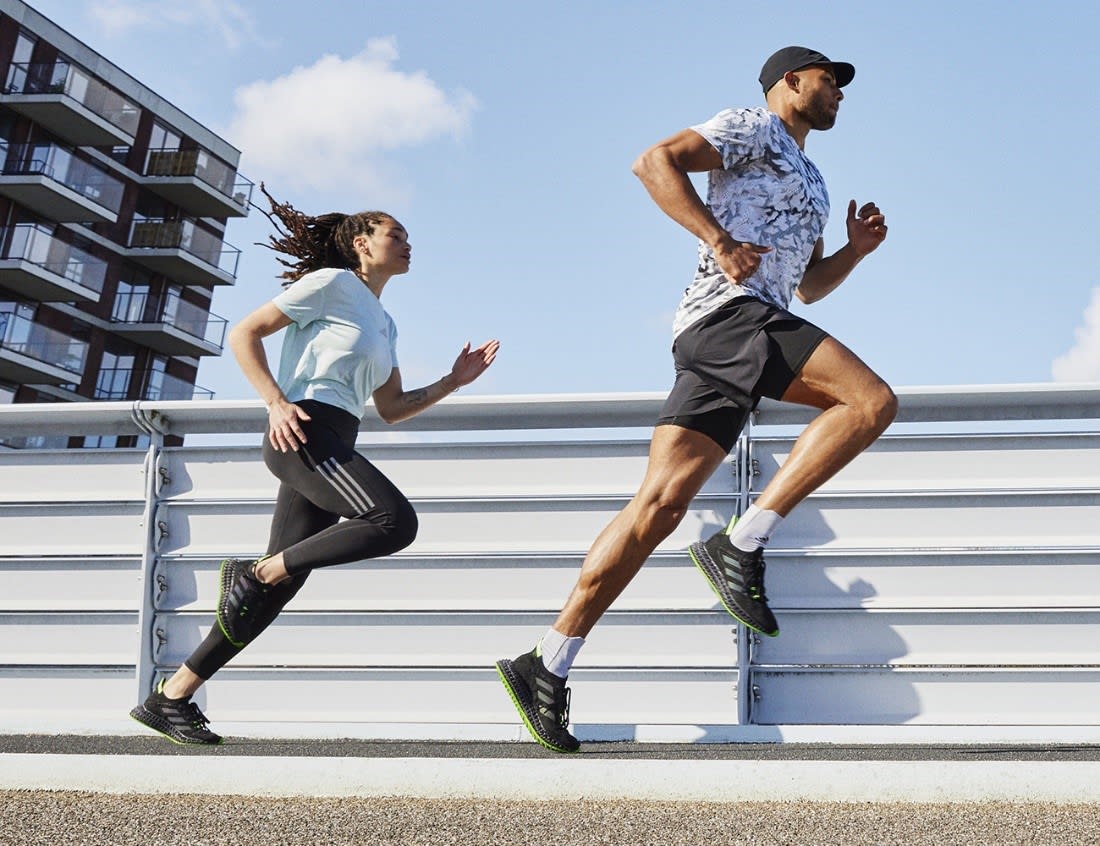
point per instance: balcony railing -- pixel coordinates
(62, 165)
(22, 335)
(143, 306)
(202, 166)
(65, 78)
(120, 383)
(163, 234)
(34, 243)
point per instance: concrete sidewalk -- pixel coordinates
(524, 771)
(145, 791)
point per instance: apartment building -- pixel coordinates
(113, 210)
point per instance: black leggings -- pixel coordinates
(322, 482)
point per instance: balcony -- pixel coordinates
(71, 103)
(167, 324)
(54, 182)
(31, 353)
(44, 268)
(196, 181)
(119, 383)
(183, 252)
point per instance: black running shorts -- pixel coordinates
(727, 360)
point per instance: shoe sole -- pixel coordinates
(705, 565)
(150, 720)
(504, 670)
(224, 589)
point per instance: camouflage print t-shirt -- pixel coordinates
(768, 193)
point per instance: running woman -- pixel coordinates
(340, 349)
(759, 234)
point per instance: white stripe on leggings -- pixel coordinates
(346, 485)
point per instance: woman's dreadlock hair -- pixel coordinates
(316, 242)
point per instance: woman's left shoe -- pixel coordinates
(241, 598)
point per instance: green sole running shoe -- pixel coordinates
(737, 577)
(542, 700)
(180, 720)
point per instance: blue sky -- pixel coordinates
(502, 133)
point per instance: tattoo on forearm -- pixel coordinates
(417, 398)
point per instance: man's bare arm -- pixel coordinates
(866, 230)
(663, 170)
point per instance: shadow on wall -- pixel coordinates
(831, 662)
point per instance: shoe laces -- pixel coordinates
(247, 593)
(194, 716)
(754, 575)
(563, 707)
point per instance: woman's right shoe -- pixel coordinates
(180, 720)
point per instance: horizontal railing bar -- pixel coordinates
(765, 670)
(541, 411)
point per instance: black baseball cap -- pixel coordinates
(794, 58)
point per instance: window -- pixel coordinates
(20, 59)
(24, 48)
(16, 322)
(171, 304)
(158, 366)
(164, 138)
(116, 369)
(130, 301)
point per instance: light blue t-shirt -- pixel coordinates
(341, 345)
(767, 192)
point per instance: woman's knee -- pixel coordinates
(401, 525)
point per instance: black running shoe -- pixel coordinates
(180, 720)
(542, 700)
(241, 598)
(738, 579)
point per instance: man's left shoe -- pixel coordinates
(737, 577)
(241, 598)
(542, 700)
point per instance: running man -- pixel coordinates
(759, 234)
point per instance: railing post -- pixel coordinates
(744, 644)
(153, 425)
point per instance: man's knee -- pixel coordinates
(660, 513)
(680, 461)
(880, 407)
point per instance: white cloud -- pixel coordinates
(330, 124)
(225, 17)
(1082, 362)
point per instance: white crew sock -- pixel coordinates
(754, 529)
(558, 652)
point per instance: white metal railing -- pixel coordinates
(946, 585)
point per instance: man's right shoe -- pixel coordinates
(241, 598)
(542, 700)
(738, 579)
(180, 720)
